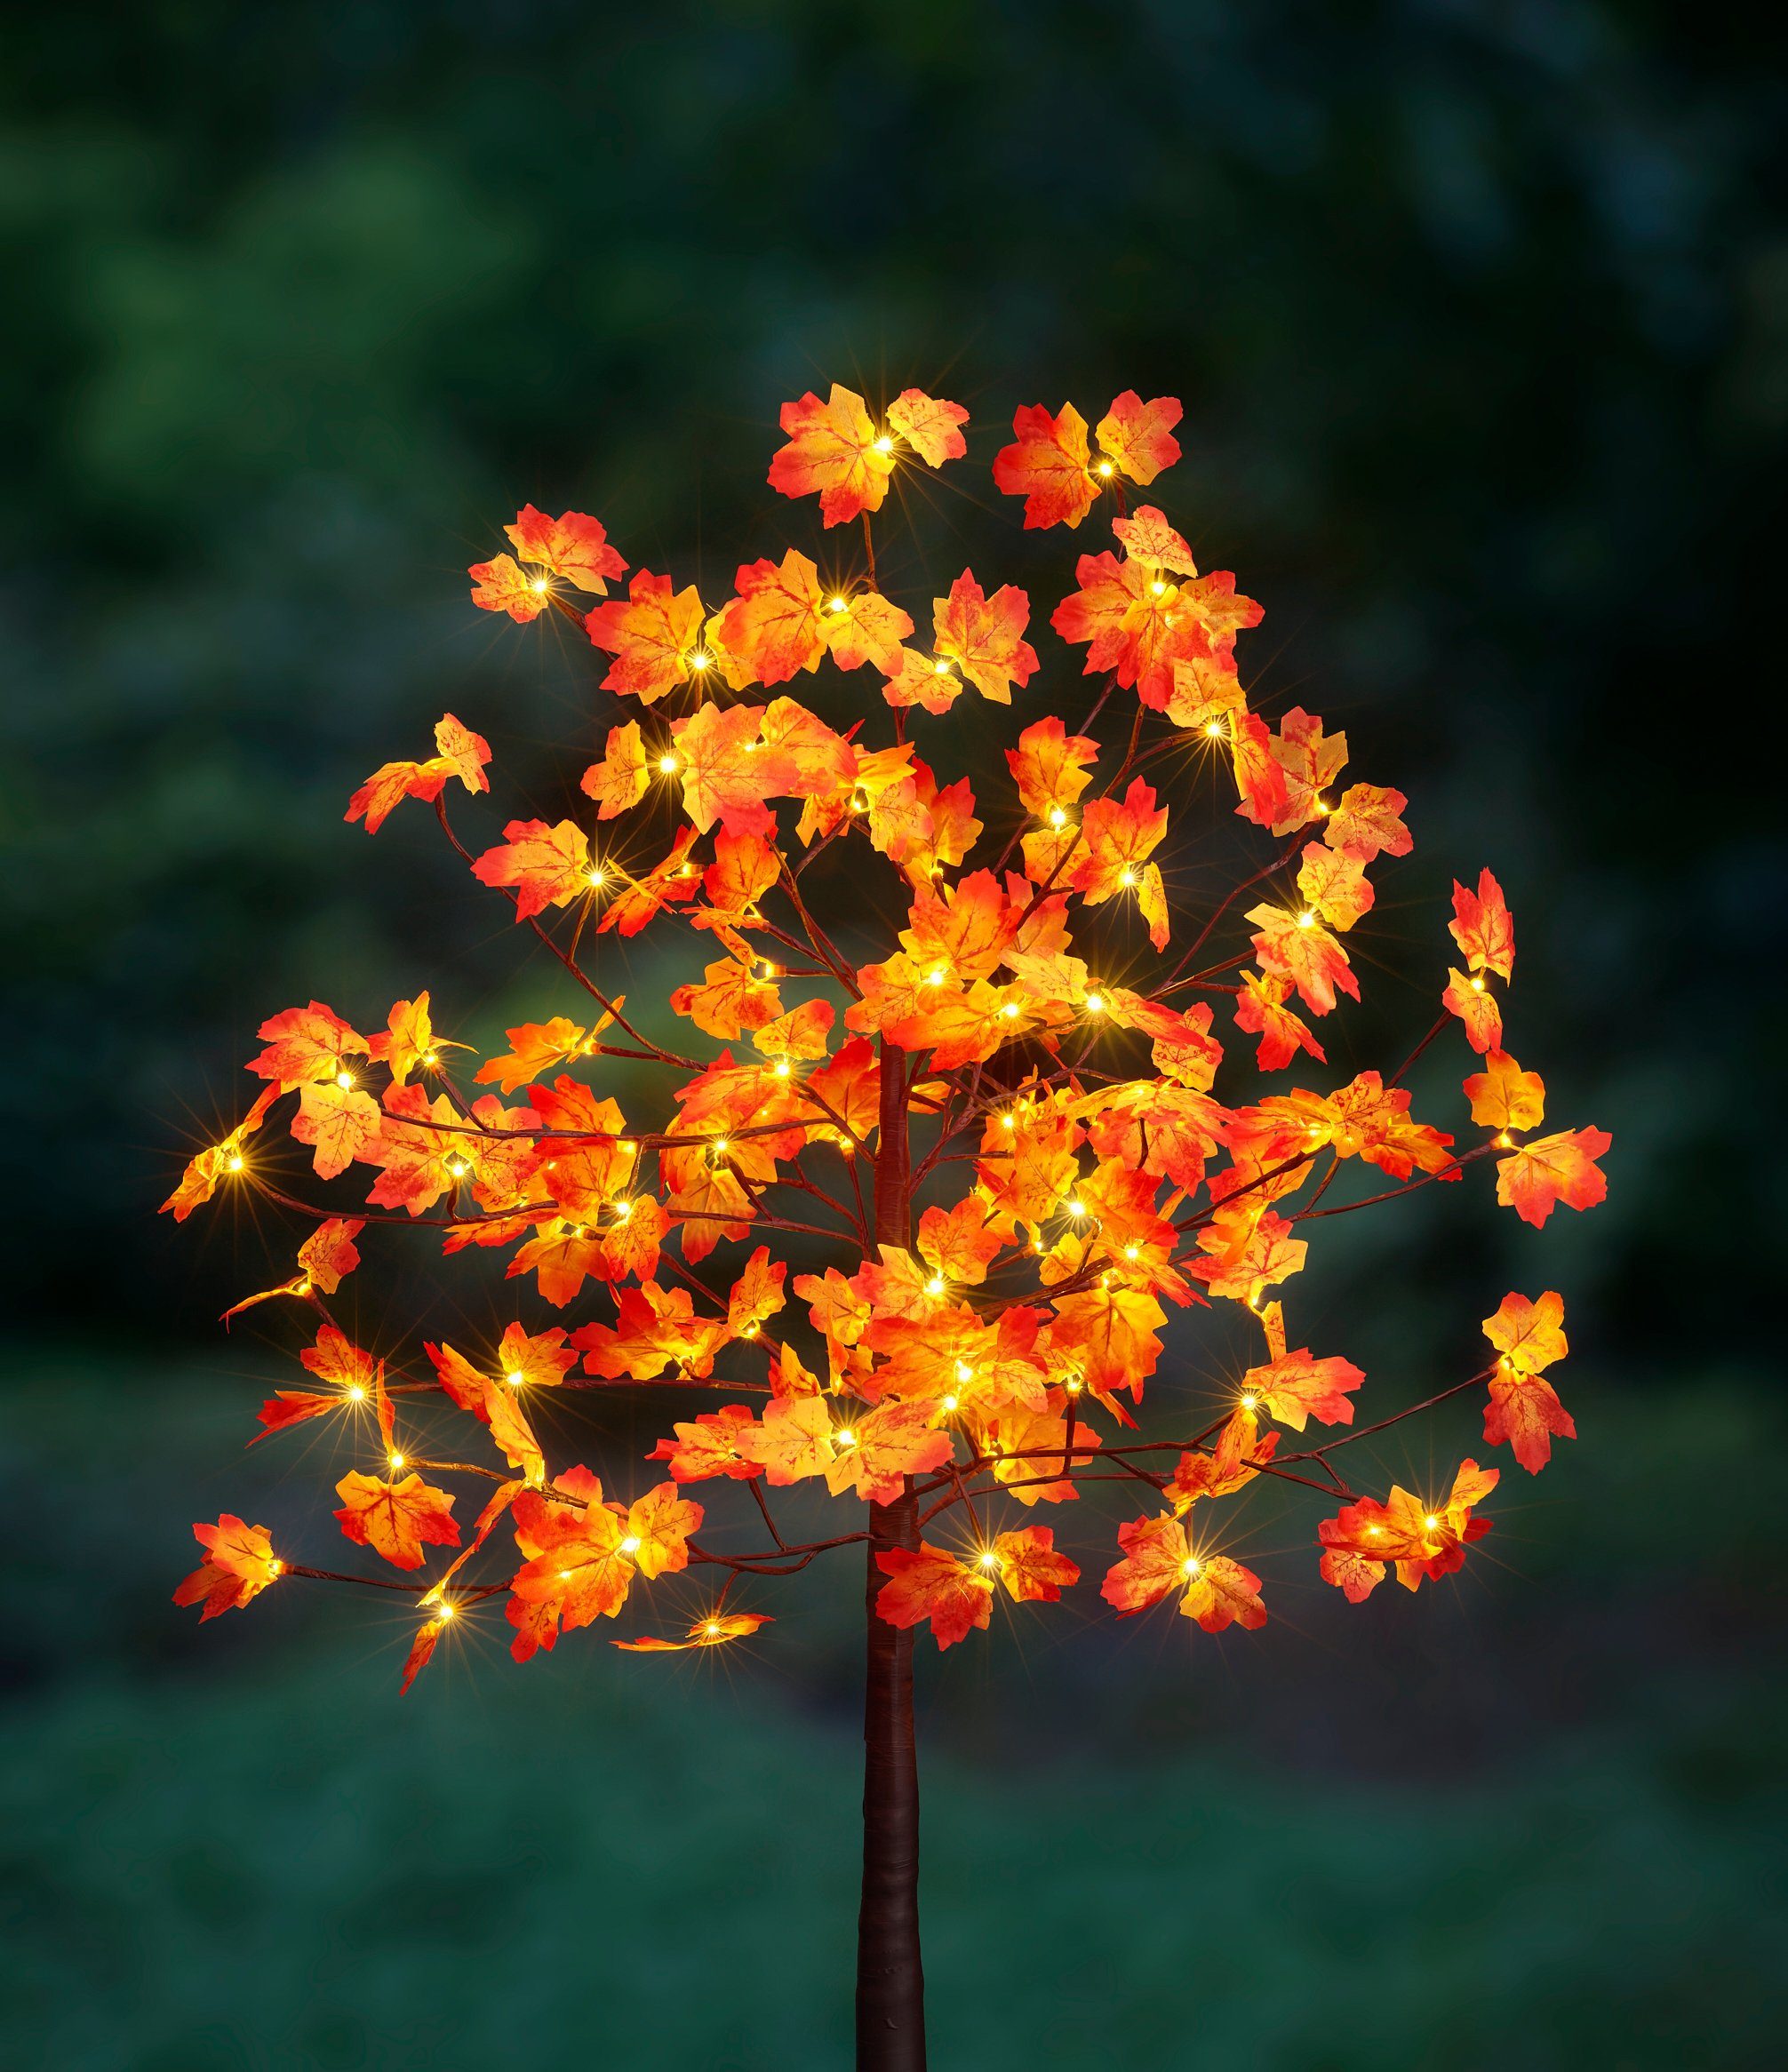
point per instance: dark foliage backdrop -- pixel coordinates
(1480, 312)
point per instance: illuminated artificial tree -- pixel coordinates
(997, 1138)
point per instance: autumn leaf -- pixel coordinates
(1145, 535)
(544, 866)
(931, 1584)
(1366, 823)
(421, 1651)
(239, 1564)
(208, 1169)
(502, 584)
(459, 753)
(1051, 767)
(1295, 1387)
(572, 546)
(1298, 946)
(1529, 1336)
(1029, 1566)
(305, 1044)
(710, 1445)
(1047, 465)
(727, 771)
(1423, 1543)
(864, 627)
(770, 630)
(882, 1448)
(655, 637)
(622, 779)
(1551, 1169)
(715, 1632)
(982, 636)
(1139, 435)
(576, 1570)
(1524, 1414)
(1476, 1006)
(1158, 1559)
(1503, 1096)
(395, 1519)
(836, 452)
(340, 1124)
(1482, 927)
(407, 1041)
(1260, 1008)
(931, 427)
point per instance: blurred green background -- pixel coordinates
(1480, 312)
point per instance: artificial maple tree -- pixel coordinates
(1006, 1143)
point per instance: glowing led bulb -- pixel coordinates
(1105, 468)
(941, 666)
(949, 1403)
(631, 1544)
(837, 604)
(1191, 1565)
(514, 1377)
(396, 1459)
(1157, 588)
(458, 1168)
(623, 1210)
(1058, 817)
(1077, 1206)
(1132, 1251)
(1074, 1384)
(445, 1610)
(538, 586)
(344, 1078)
(1095, 1003)
(783, 1068)
(884, 444)
(1477, 985)
(1214, 728)
(700, 659)
(846, 1439)
(990, 1559)
(356, 1394)
(596, 874)
(1007, 1122)
(711, 1628)
(1250, 1402)
(722, 1144)
(234, 1163)
(935, 1286)
(964, 1372)
(1127, 876)
(1307, 920)
(1009, 1012)
(1430, 1523)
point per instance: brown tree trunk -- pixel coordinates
(891, 1980)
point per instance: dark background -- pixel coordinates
(1480, 313)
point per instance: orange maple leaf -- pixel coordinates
(1482, 927)
(573, 546)
(1139, 435)
(655, 637)
(1552, 1169)
(239, 1564)
(1047, 465)
(396, 1518)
